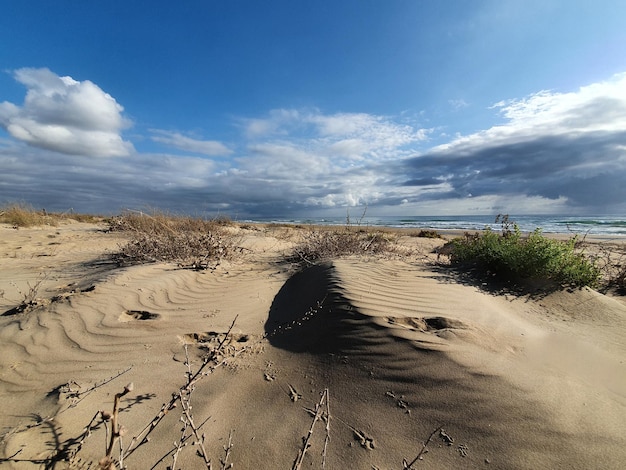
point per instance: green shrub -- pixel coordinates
(513, 257)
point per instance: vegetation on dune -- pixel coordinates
(159, 236)
(198, 243)
(426, 233)
(323, 244)
(20, 215)
(517, 258)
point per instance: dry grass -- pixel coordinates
(21, 215)
(159, 236)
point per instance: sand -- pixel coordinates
(401, 357)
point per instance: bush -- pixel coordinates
(513, 257)
(162, 237)
(324, 244)
(426, 234)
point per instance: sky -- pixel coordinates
(295, 108)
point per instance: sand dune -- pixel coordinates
(398, 350)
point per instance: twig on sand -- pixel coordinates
(227, 449)
(293, 394)
(79, 396)
(327, 438)
(409, 466)
(297, 465)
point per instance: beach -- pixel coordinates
(359, 362)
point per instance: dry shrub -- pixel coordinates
(325, 244)
(159, 236)
(424, 233)
(83, 218)
(611, 260)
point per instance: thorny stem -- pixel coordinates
(227, 448)
(200, 439)
(408, 466)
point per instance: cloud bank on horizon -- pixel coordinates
(71, 145)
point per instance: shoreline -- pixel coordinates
(445, 233)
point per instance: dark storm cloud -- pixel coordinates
(571, 166)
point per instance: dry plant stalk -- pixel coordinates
(409, 465)
(327, 438)
(117, 431)
(297, 465)
(227, 449)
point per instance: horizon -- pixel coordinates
(297, 110)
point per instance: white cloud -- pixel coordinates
(65, 115)
(350, 136)
(188, 144)
(375, 132)
(599, 107)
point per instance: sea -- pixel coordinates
(592, 225)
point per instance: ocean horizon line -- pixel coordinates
(591, 224)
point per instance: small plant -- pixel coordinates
(30, 299)
(426, 234)
(513, 257)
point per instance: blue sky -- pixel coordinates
(292, 108)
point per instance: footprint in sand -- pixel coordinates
(426, 324)
(213, 337)
(130, 315)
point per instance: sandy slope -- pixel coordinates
(402, 347)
